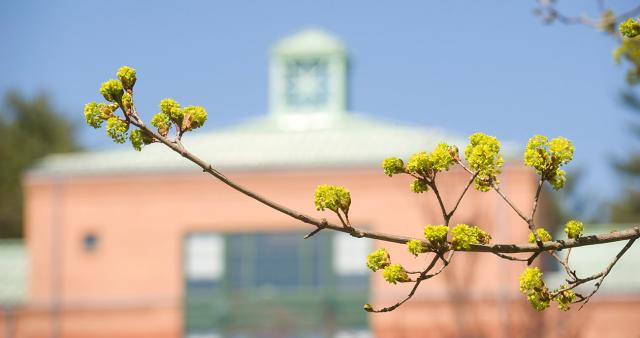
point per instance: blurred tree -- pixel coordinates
(29, 130)
(574, 201)
(627, 208)
(624, 28)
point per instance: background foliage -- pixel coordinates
(30, 128)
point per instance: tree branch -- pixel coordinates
(424, 275)
(606, 271)
(462, 194)
(318, 223)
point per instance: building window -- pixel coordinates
(205, 257)
(90, 242)
(275, 284)
(350, 254)
(307, 83)
(275, 261)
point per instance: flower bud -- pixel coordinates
(162, 122)
(395, 273)
(92, 115)
(112, 90)
(543, 234)
(392, 166)
(415, 247)
(139, 138)
(333, 198)
(378, 259)
(117, 129)
(419, 186)
(630, 28)
(193, 117)
(127, 76)
(172, 109)
(573, 229)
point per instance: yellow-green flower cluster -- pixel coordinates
(120, 95)
(162, 122)
(416, 247)
(419, 186)
(91, 115)
(539, 299)
(531, 279)
(139, 138)
(378, 259)
(171, 108)
(111, 90)
(465, 235)
(547, 157)
(392, 166)
(532, 285)
(96, 113)
(436, 235)
(127, 76)
(441, 158)
(193, 117)
(565, 298)
(573, 228)
(629, 28)
(536, 154)
(117, 129)
(543, 234)
(483, 156)
(629, 48)
(187, 118)
(333, 198)
(419, 164)
(395, 273)
(427, 164)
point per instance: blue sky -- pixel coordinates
(465, 66)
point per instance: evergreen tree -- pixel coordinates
(30, 128)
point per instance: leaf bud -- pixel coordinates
(112, 90)
(127, 76)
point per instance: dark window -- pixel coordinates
(90, 242)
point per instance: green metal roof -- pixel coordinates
(623, 279)
(13, 272)
(263, 143)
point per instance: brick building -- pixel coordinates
(127, 244)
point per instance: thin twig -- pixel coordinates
(413, 290)
(535, 200)
(445, 215)
(499, 191)
(462, 194)
(564, 264)
(607, 270)
(424, 275)
(510, 203)
(511, 258)
(318, 229)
